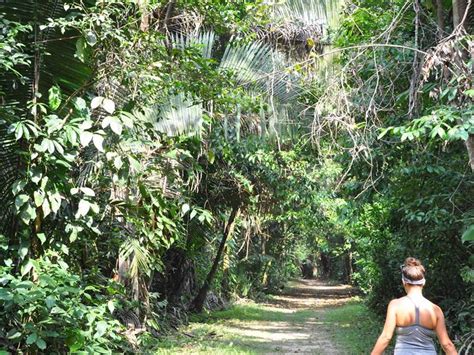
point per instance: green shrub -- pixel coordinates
(53, 311)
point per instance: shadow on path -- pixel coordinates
(290, 322)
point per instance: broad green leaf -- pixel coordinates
(73, 235)
(54, 98)
(468, 235)
(95, 208)
(438, 131)
(88, 191)
(41, 344)
(116, 126)
(38, 198)
(18, 186)
(106, 121)
(20, 200)
(96, 102)
(118, 163)
(469, 93)
(65, 249)
(28, 214)
(51, 147)
(14, 335)
(108, 105)
(59, 147)
(31, 339)
(44, 182)
(98, 142)
(184, 208)
(110, 306)
(81, 49)
(19, 132)
(8, 262)
(41, 237)
(86, 138)
(55, 202)
(91, 38)
(134, 164)
(80, 104)
(12, 128)
(101, 328)
(384, 132)
(5, 294)
(46, 207)
(50, 302)
(26, 268)
(83, 209)
(36, 176)
(127, 119)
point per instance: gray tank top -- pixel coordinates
(415, 339)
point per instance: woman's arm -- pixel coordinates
(442, 333)
(387, 332)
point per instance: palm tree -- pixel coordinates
(50, 60)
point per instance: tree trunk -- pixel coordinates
(349, 269)
(439, 18)
(459, 9)
(198, 302)
(145, 17)
(169, 12)
(470, 150)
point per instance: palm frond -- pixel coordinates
(19, 87)
(204, 40)
(8, 174)
(261, 68)
(138, 256)
(250, 63)
(180, 115)
(308, 14)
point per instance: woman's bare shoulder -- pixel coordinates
(436, 308)
(396, 301)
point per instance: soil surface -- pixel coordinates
(311, 335)
(293, 321)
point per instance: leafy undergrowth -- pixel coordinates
(354, 327)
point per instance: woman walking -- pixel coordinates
(416, 320)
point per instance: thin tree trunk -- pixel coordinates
(169, 12)
(459, 9)
(439, 18)
(198, 302)
(145, 17)
(456, 16)
(470, 150)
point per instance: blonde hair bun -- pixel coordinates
(413, 270)
(410, 261)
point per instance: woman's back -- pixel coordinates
(406, 312)
(416, 321)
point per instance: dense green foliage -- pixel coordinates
(154, 152)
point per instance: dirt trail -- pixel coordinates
(302, 334)
(293, 321)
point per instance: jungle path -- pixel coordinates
(291, 322)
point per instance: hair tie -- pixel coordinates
(413, 282)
